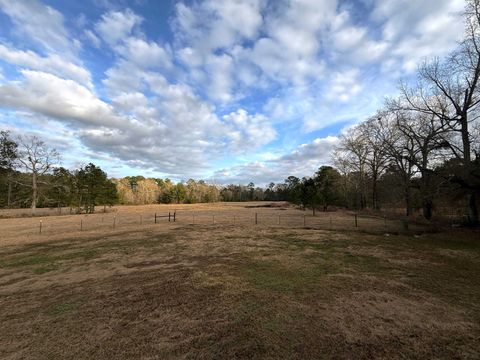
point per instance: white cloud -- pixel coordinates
(344, 85)
(416, 30)
(58, 98)
(302, 161)
(211, 24)
(144, 54)
(115, 26)
(42, 24)
(94, 40)
(248, 132)
(53, 64)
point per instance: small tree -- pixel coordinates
(327, 181)
(95, 188)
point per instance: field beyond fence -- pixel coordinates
(266, 214)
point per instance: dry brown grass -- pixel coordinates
(18, 229)
(236, 291)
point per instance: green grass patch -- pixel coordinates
(46, 257)
(62, 308)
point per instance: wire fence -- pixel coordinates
(292, 219)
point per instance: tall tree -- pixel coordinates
(37, 158)
(8, 156)
(449, 91)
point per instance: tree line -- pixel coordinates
(426, 142)
(29, 177)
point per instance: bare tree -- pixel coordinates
(426, 137)
(37, 158)
(449, 91)
(396, 147)
(376, 159)
(354, 151)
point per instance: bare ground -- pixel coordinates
(220, 290)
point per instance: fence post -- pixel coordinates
(356, 221)
(169, 216)
(155, 218)
(256, 220)
(174, 215)
(40, 230)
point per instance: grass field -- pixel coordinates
(223, 290)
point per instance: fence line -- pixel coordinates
(345, 221)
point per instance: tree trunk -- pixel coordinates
(472, 198)
(34, 191)
(374, 194)
(408, 201)
(472, 209)
(427, 208)
(9, 194)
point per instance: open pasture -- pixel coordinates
(18, 226)
(210, 289)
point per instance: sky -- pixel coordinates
(232, 91)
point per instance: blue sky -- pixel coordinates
(229, 91)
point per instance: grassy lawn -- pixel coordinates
(242, 292)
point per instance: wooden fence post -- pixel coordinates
(169, 216)
(155, 218)
(174, 215)
(256, 219)
(40, 230)
(356, 221)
